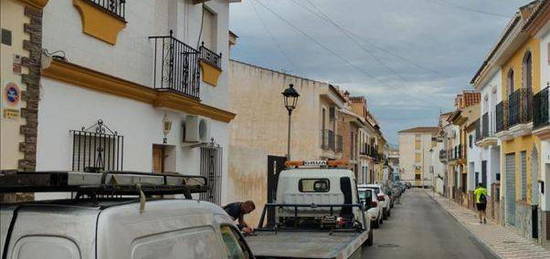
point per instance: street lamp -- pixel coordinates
(290, 96)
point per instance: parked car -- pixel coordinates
(374, 208)
(130, 227)
(382, 198)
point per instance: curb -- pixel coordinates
(472, 235)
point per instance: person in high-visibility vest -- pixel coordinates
(480, 194)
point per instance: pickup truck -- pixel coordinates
(318, 214)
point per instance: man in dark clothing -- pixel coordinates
(237, 210)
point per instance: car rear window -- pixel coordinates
(314, 185)
(365, 195)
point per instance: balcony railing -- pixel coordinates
(540, 109)
(339, 143)
(442, 155)
(478, 130)
(176, 66)
(501, 116)
(520, 106)
(210, 57)
(328, 140)
(485, 125)
(116, 8)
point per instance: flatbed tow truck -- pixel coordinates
(317, 215)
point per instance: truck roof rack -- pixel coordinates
(101, 183)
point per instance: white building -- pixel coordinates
(136, 85)
(415, 157)
(489, 145)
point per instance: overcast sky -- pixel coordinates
(408, 57)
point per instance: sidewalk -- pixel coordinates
(502, 241)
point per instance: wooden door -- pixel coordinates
(158, 159)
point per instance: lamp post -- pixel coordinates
(290, 96)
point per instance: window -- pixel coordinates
(470, 140)
(510, 82)
(234, 244)
(209, 29)
(527, 71)
(46, 247)
(314, 185)
(417, 176)
(97, 148)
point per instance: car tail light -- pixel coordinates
(381, 198)
(374, 204)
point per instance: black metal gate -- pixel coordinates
(275, 164)
(211, 168)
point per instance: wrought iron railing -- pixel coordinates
(116, 8)
(339, 143)
(442, 155)
(520, 106)
(210, 56)
(501, 116)
(485, 125)
(328, 141)
(540, 109)
(176, 66)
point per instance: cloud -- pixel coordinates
(408, 57)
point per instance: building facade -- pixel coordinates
(513, 71)
(115, 94)
(258, 138)
(415, 155)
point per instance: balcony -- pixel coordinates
(540, 109)
(478, 130)
(541, 120)
(176, 66)
(210, 56)
(485, 125)
(339, 144)
(501, 115)
(443, 155)
(487, 132)
(520, 107)
(115, 8)
(328, 140)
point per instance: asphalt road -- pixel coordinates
(420, 228)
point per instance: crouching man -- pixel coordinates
(237, 210)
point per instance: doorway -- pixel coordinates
(275, 164)
(159, 159)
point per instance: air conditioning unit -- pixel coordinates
(196, 130)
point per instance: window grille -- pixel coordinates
(97, 148)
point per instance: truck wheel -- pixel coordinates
(370, 242)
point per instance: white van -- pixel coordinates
(112, 228)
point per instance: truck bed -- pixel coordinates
(303, 244)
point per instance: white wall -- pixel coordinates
(132, 56)
(139, 123)
(64, 107)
